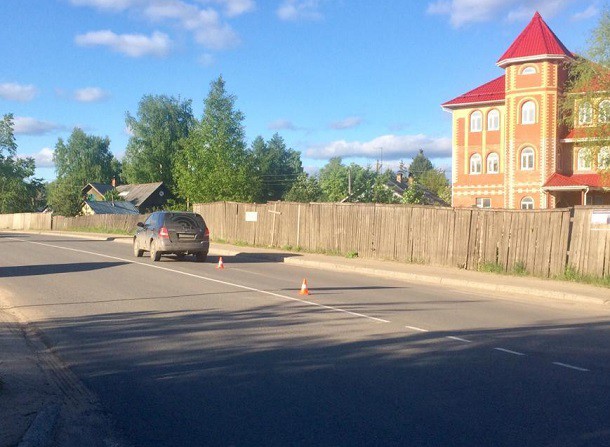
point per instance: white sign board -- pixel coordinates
(600, 220)
(251, 216)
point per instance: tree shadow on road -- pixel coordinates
(258, 376)
(52, 269)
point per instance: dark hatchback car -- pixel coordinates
(172, 232)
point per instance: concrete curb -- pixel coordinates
(41, 432)
(449, 282)
(487, 286)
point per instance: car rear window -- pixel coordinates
(178, 221)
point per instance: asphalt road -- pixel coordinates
(184, 354)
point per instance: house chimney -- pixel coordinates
(399, 178)
(410, 180)
(113, 182)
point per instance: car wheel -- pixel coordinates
(201, 256)
(154, 252)
(136, 250)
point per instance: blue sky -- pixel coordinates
(361, 79)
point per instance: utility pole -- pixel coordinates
(349, 181)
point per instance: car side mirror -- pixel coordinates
(141, 224)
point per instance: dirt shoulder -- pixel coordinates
(41, 401)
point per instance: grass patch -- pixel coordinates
(351, 254)
(102, 230)
(572, 275)
(519, 269)
(491, 267)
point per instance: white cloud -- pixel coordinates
(282, 124)
(348, 123)
(206, 59)
(205, 24)
(90, 94)
(588, 13)
(393, 147)
(31, 126)
(113, 5)
(44, 158)
(133, 45)
(299, 10)
(17, 92)
(235, 8)
(463, 12)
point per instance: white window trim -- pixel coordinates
(525, 155)
(528, 202)
(476, 121)
(474, 164)
(529, 70)
(584, 160)
(604, 111)
(481, 201)
(496, 120)
(491, 156)
(603, 156)
(585, 113)
(528, 116)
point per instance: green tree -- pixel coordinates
(334, 180)
(435, 181)
(17, 193)
(64, 197)
(420, 165)
(161, 123)
(278, 166)
(213, 162)
(305, 189)
(354, 183)
(82, 159)
(583, 105)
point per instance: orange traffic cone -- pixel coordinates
(304, 289)
(221, 264)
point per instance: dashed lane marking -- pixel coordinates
(565, 365)
(205, 278)
(508, 351)
(459, 339)
(418, 329)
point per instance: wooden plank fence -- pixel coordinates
(534, 241)
(541, 242)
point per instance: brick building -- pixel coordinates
(510, 149)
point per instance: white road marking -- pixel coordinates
(459, 339)
(205, 278)
(417, 329)
(509, 351)
(565, 365)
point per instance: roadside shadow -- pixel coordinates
(254, 258)
(51, 269)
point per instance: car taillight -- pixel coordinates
(206, 232)
(163, 233)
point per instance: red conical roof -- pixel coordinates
(536, 39)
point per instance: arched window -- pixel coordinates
(528, 112)
(493, 120)
(603, 158)
(584, 160)
(527, 203)
(493, 163)
(529, 70)
(527, 159)
(475, 164)
(604, 111)
(585, 113)
(476, 121)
